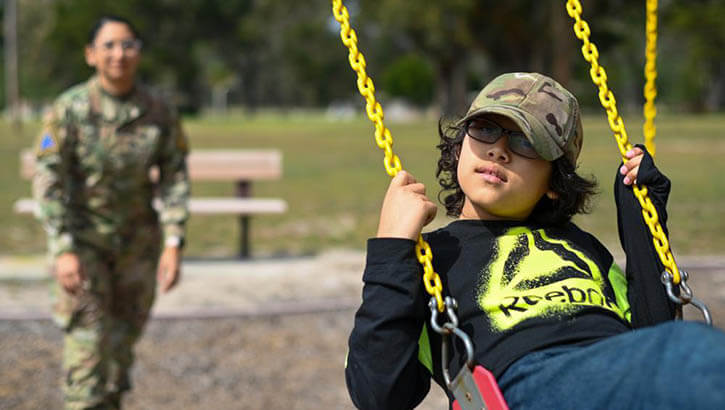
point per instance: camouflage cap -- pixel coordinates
(544, 110)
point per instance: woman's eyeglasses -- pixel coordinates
(129, 47)
(488, 132)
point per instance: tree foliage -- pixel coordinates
(410, 77)
(279, 53)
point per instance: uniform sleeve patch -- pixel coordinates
(47, 142)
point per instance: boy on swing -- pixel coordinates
(548, 311)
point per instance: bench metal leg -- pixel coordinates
(244, 236)
(244, 190)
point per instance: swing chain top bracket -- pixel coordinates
(449, 326)
(685, 295)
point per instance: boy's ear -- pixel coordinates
(551, 194)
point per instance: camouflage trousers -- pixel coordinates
(103, 323)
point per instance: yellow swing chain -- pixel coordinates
(384, 139)
(650, 74)
(606, 97)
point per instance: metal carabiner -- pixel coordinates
(686, 296)
(444, 351)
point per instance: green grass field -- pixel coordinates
(334, 181)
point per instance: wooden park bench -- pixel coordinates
(239, 166)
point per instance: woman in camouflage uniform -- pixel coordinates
(95, 195)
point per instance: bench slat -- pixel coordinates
(209, 165)
(232, 165)
(239, 166)
(24, 206)
(239, 206)
(236, 206)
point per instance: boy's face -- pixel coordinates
(498, 183)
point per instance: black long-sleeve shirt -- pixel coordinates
(519, 287)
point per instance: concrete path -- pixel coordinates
(324, 282)
(211, 288)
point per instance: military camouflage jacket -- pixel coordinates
(93, 161)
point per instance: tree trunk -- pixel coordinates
(714, 92)
(451, 87)
(12, 90)
(249, 75)
(562, 46)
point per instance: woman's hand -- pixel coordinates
(406, 209)
(69, 272)
(169, 270)
(630, 169)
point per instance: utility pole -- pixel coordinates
(12, 91)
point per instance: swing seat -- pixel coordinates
(485, 387)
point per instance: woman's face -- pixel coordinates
(115, 53)
(497, 182)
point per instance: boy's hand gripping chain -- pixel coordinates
(384, 139)
(474, 387)
(671, 277)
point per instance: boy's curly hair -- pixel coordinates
(574, 192)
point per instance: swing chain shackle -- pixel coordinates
(449, 326)
(451, 305)
(685, 295)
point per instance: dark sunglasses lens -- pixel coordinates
(521, 145)
(483, 130)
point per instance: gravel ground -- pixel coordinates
(279, 362)
(293, 362)
(233, 335)
(287, 359)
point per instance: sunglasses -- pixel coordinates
(488, 132)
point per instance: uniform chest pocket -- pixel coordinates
(138, 146)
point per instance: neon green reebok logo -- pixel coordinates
(531, 275)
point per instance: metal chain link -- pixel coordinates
(384, 139)
(606, 98)
(650, 74)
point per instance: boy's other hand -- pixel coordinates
(630, 169)
(406, 209)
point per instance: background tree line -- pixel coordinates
(262, 53)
